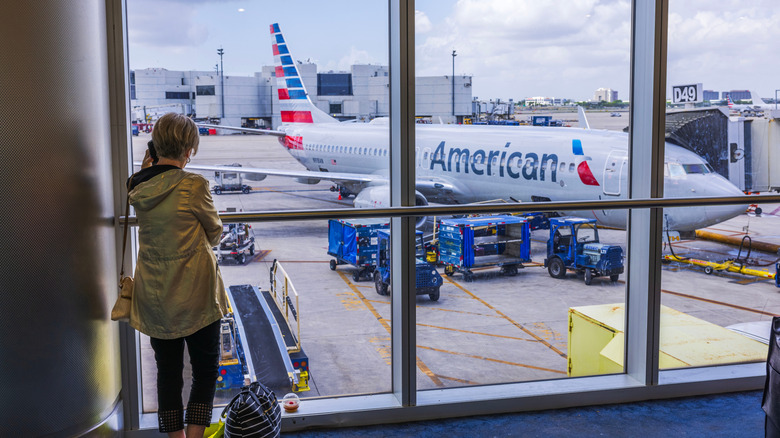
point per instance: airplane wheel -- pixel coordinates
(381, 286)
(708, 270)
(435, 295)
(333, 264)
(588, 276)
(556, 269)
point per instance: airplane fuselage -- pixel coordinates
(465, 164)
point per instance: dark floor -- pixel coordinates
(723, 415)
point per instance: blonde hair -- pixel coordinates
(173, 135)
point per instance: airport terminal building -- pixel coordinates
(361, 94)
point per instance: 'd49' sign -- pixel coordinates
(687, 93)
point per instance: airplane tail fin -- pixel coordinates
(728, 100)
(294, 102)
(582, 118)
(756, 99)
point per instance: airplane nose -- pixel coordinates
(719, 213)
(724, 187)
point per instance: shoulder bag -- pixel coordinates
(121, 310)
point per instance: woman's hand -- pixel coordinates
(147, 162)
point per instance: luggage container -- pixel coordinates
(427, 279)
(353, 242)
(484, 241)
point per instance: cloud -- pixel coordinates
(164, 24)
(729, 47)
(521, 48)
(421, 23)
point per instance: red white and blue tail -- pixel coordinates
(294, 102)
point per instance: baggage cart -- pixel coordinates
(485, 241)
(353, 242)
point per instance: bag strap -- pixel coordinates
(124, 239)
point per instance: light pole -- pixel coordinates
(453, 82)
(220, 52)
(776, 99)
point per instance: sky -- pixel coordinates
(512, 48)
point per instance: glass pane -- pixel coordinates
(499, 88)
(521, 298)
(719, 292)
(721, 135)
(228, 65)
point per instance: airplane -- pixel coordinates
(757, 104)
(462, 164)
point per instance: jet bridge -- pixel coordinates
(740, 148)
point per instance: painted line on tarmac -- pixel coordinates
(420, 364)
(455, 379)
(260, 255)
(720, 303)
(511, 321)
(440, 309)
(477, 333)
(490, 359)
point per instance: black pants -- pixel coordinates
(203, 347)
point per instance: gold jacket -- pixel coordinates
(178, 286)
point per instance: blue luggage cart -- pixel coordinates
(484, 241)
(353, 242)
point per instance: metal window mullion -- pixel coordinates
(402, 193)
(119, 107)
(646, 158)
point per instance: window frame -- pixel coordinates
(641, 379)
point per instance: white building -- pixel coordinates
(544, 101)
(360, 94)
(605, 95)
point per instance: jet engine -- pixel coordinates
(379, 197)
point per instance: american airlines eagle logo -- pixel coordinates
(583, 170)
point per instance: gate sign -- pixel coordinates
(687, 93)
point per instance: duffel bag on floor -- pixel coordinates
(253, 412)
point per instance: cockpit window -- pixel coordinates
(697, 168)
(676, 169)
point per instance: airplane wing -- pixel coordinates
(251, 130)
(300, 174)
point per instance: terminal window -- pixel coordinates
(334, 84)
(205, 90)
(177, 95)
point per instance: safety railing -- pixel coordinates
(438, 210)
(281, 289)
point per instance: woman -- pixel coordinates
(179, 297)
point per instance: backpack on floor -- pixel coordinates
(253, 412)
